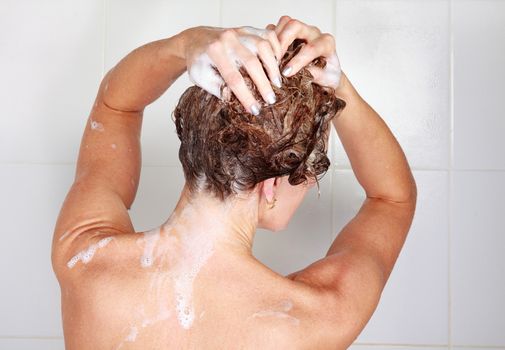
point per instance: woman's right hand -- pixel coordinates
(228, 48)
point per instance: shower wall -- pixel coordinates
(434, 70)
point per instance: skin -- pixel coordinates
(112, 302)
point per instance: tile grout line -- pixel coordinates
(104, 34)
(333, 174)
(332, 191)
(449, 179)
(14, 337)
(336, 167)
(401, 345)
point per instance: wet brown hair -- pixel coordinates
(225, 149)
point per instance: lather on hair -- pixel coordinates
(225, 149)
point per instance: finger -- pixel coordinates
(267, 56)
(267, 34)
(295, 29)
(276, 45)
(247, 55)
(281, 24)
(322, 46)
(270, 26)
(232, 77)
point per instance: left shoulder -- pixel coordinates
(92, 253)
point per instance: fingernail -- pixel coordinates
(271, 98)
(255, 109)
(286, 71)
(277, 82)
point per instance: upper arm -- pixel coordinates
(358, 264)
(105, 183)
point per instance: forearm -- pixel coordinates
(144, 74)
(376, 157)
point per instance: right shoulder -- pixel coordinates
(329, 323)
(341, 309)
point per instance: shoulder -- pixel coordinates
(313, 317)
(91, 253)
(332, 322)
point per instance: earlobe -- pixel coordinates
(268, 189)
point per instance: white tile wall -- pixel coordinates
(50, 66)
(479, 73)
(259, 13)
(394, 347)
(157, 196)
(477, 259)
(477, 348)
(396, 53)
(30, 344)
(30, 296)
(447, 288)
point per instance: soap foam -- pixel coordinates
(133, 334)
(330, 75)
(284, 306)
(150, 238)
(162, 315)
(87, 254)
(195, 249)
(256, 31)
(184, 277)
(278, 314)
(249, 44)
(202, 74)
(96, 125)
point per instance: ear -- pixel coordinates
(269, 189)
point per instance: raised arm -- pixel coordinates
(352, 275)
(109, 162)
(360, 260)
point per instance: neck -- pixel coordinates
(228, 226)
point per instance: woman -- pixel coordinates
(253, 142)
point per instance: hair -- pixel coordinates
(225, 149)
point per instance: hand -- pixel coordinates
(227, 49)
(318, 44)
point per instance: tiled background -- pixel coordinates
(435, 72)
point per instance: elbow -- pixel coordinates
(411, 192)
(408, 192)
(404, 192)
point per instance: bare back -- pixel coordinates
(114, 303)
